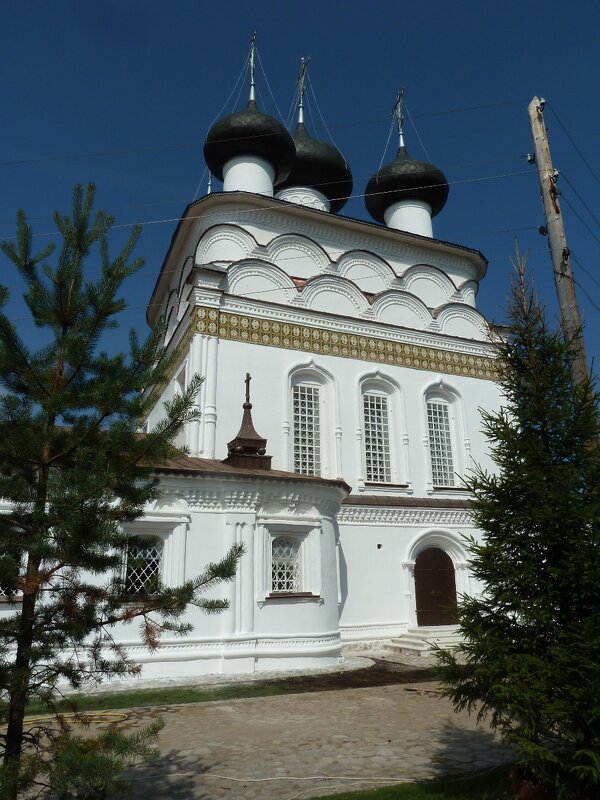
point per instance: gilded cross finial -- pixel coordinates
(398, 115)
(251, 64)
(300, 85)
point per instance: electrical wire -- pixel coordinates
(579, 217)
(314, 94)
(171, 220)
(185, 145)
(412, 122)
(581, 200)
(387, 144)
(144, 274)
(570, 138)
(268, 84)
(586, 293)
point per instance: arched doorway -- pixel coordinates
(435, 588)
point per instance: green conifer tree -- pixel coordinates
(531, 648)
(72, 469)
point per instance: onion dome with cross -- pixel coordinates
(248, 150)
(321, 177)
(406, 193)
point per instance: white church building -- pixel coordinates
(369, 362)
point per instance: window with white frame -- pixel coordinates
(142, 567)
(440, 442)
(378, 468)
(286, 571)
(306, 428)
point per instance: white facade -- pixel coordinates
(204, 510)
(370, 363)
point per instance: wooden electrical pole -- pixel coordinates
(557, 241)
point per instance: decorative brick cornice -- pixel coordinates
(404, 517)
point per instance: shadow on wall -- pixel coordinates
(343, 578)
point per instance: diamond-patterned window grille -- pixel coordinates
(142, 571)
(307, 430)
(285, 565)
(4, 591)
(377, 439)
(440, 444)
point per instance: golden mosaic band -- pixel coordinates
(289, 336)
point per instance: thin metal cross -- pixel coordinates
(247, 382)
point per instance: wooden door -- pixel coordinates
(435, 588)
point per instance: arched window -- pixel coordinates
(313, 421)
(378, 467)
(306, 402)
(442, 412)
(285, 565)
(383, 459)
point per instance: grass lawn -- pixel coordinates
(486, 786)
(172, 695)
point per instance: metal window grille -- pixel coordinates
(142, 570)
(440, 444)
(307, 430)
(285, 565)
(4, 590)
(377, 439)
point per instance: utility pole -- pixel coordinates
(557, 241)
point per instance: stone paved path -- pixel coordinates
(270, 748)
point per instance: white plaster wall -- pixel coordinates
(376, 577)
(270, 369)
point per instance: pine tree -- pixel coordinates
(531, 647)
(72, 469)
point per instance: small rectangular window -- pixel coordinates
(377, 439)
(307, 430)
(143, 566)
(285, 565)
(440, 444)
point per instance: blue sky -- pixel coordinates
(122, 93)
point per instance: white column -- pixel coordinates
(210, 396)
(248, 174)
(247, 578)
(287, 446)
(409, 592)
(229, 616)
(196, 368)
(413, 216)
(360, 483)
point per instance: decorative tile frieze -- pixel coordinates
(308, 338)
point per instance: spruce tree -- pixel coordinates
(530, 661)
(73, 469)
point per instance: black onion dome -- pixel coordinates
(319, 166)
(406, 179)
(249, 132)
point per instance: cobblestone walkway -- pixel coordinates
(279, 748)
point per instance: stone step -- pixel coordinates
(420, 641)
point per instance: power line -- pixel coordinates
(582, 201)
(479, 179)
(186, 200)
(570, 138)
(579, 217)
(590, 299)
(587, 272)
(185, 145)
